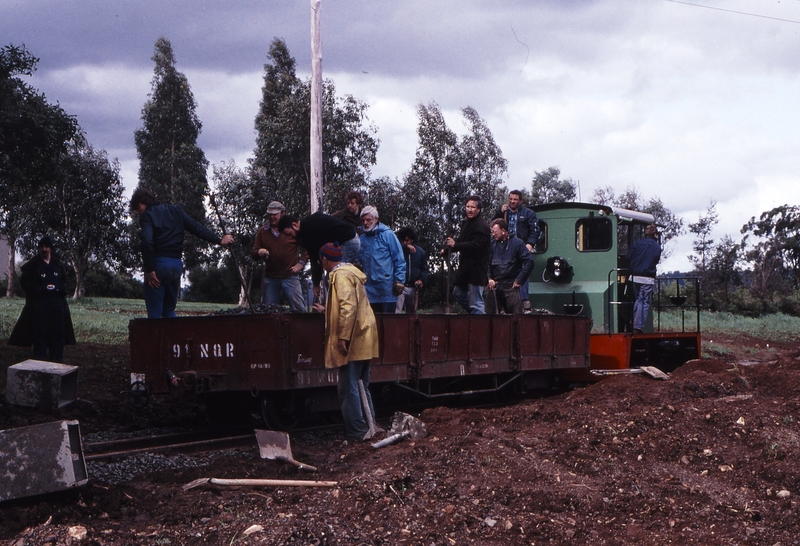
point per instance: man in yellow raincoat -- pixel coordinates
(351, 336)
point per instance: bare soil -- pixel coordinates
(709, 456)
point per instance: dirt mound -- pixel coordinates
(707, 456)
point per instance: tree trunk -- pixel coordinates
(80, 283)
(12, 269)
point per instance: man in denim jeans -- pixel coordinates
(475, 252)
(643, 255)
(283, 262)
(162, 234)
(351, 336)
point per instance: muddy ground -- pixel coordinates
(709, 456)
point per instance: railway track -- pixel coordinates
(168, 444)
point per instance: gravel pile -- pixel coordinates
(255, 309)
(147, 463)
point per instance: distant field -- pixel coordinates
(99, 320)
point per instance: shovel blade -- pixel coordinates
(274, 445)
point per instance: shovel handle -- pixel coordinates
(301, 466)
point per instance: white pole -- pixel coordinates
(316, 108)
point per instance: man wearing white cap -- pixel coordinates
(283, 261)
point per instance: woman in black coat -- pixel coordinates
(45, 321)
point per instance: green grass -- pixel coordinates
(777, 327)
(99, 320)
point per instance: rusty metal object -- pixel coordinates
(282, 353)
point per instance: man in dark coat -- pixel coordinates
(351, 213)
(45, 321)
(643, 256)
(524, 224)
(163, 228)
(313, 231)
(416, 270)
(511, 265)
(473, 264)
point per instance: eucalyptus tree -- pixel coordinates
(281, 157)
(482, 161)
(33, 138)
(85, 210)
(703, 245)
(723, 270)
(171, 164)
(239, 209)
(631, 199)
(777, 232)
(547, 187)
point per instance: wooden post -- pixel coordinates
(316, 108)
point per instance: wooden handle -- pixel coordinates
(271, 483)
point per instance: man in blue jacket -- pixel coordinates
(643, 255)
(163, 228)
(416, 270)
(509, 269)
(524, 224)
(381, 257)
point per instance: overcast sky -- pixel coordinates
(687, 101)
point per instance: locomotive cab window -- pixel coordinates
(594, 234)
(541, 243)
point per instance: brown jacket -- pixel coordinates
(283, 252)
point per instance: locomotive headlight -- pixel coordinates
(557, 269)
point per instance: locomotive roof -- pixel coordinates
(625, 216)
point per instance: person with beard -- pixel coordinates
(381, 258)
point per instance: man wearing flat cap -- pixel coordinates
(45, 321)
(283, 261)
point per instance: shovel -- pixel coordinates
(373, 428)
(274, 445)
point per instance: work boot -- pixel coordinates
(526, 307)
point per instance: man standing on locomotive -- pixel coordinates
(510, 267)
(351, 336)
(643, 255)
(282, 262)
(523, 224)
(473, 267)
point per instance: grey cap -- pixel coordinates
(275, 208)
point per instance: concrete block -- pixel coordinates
(41, 459)
(39, 384)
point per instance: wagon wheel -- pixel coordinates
(224, 411)
(277, 413)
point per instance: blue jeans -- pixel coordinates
(271, 292)
(161, 301)
(471, 299)
(641, 306)
(355, 426)
(350, 250)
